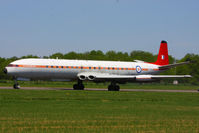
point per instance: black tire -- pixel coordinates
(16, 86)
(117, 88)
(78, 87)
(81, 87)
(75, 87)
(110, 88)
(113, 88)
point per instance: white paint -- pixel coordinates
(162, 57)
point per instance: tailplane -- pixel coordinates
(163, 58)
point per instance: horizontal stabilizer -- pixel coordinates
(173, 65)
(139, 61)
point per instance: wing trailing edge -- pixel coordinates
(169, 76)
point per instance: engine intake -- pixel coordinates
(82, 77)
(91, 77)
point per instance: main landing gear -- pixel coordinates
(113, 87)
(16, 85)
(79, 85)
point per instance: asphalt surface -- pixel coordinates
(95, 89)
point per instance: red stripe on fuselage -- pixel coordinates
(77, 67)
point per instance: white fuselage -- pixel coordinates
(69, 69)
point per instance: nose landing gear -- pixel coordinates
(16, 84)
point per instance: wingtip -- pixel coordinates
(187, 76)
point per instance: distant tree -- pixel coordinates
(111, 55)
(142, 55)
(123, 56)
(71, 55)
(191, 69)
(57, 55)
(2, 65)
(96, 55)
(29, 56)
(45, 57)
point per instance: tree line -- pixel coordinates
(191, 68)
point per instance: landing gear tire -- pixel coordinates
(16, 86)
(113, 88)
(117, 88)
(78, 87)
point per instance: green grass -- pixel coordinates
(100, 85)
(97, 111)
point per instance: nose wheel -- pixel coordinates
(16, 84)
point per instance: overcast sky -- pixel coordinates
(44, 27)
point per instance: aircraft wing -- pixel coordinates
(169, 76)
(113, 76)
(109, 77)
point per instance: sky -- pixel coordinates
(45, 27)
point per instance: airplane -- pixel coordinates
(115, 72)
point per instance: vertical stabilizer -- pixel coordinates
(163, 58)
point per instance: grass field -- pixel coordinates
(100, 85)
(98, 111)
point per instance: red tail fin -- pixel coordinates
(163, 58)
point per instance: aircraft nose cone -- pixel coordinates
(5, 71)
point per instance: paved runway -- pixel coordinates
(95, 89)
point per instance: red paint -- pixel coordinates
(163, 58)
